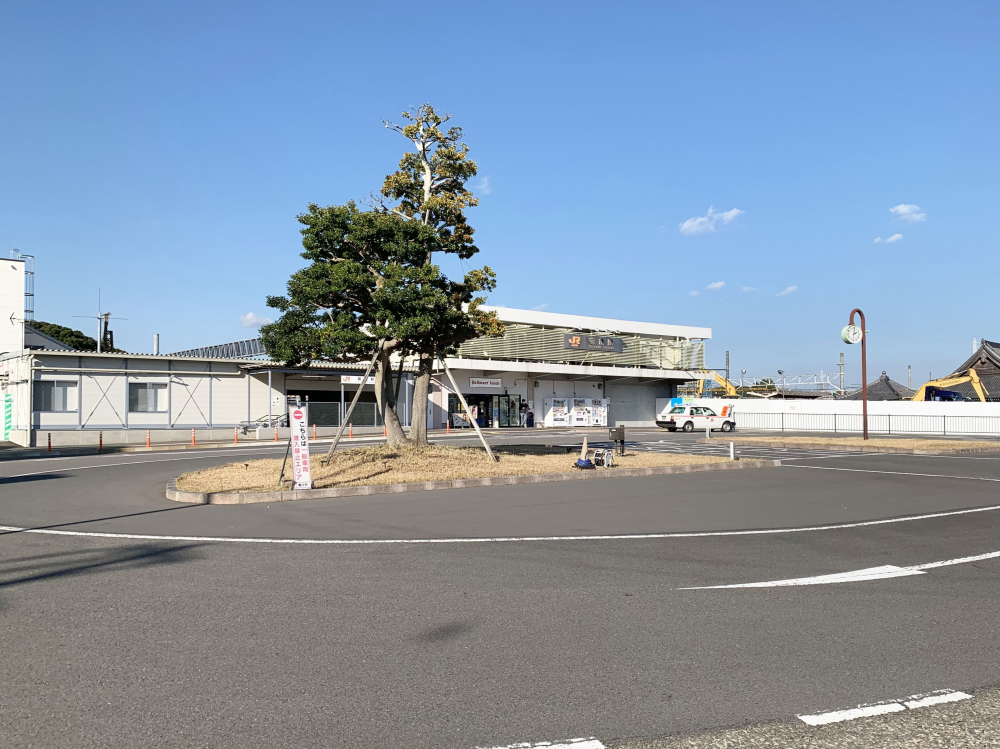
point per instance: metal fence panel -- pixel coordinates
(930, 424)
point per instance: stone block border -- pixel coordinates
(243, 498)
(836, 445)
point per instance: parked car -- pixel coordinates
(691, 418)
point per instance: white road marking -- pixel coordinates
(871, 573)
(838, 716)
(519, 539)
(590, 743)
(894, 473)
(854, 576)
(882, 708)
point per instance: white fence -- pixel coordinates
(943, 424)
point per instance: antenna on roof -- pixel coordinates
(105, 337)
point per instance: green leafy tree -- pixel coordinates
(368, 289)
(429, 188)
(72, 338)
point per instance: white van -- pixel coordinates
(690, 418)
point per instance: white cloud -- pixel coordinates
(253, 320)
(749, 288)
(540, 308)
(706, 224)
(694, 293)
(484, 186)
(716, 285)
(787, 290)
(906, 212)
(877, 240)
(894, 238)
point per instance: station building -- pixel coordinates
(567, 370)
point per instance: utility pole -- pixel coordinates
(909, 376)
(841, 372)
(727, 366)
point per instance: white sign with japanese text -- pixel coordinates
(298, 420)
(356, 379)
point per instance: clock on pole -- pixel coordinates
(851, 334)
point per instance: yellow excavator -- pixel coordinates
(971, 376)
(709, 374)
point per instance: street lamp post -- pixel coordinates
(852, 334)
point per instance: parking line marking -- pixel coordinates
(895, 473)
(590, 743)
(913, 702)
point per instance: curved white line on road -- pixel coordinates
(892, 473)
(510, 539)
(855, 576)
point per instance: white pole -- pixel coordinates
(708, 432)
(732, 451)
(156, 344)
(475, 422)
(357, 395)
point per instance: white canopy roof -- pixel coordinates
(597, 324)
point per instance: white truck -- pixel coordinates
(691, 417)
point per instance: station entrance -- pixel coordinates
(489, 411)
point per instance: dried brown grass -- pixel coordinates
(906, 444)
(401, 465)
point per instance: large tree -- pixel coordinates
(429, 188)
(368, 289)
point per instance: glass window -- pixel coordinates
(708, 412)
(54, 396)
(144, 397)
(677, 410)
(696, 411)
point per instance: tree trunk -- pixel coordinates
(387, 402)
(421, 390)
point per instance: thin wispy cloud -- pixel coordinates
(787, 290)
(253, 320)
(749, 288)
(707, 223)
(908, 212)
(694, 293)
(540, 308)
(894, 238)
(878, 240)
(715, 285)
(484, 186)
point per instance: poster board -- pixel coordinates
(298, 421)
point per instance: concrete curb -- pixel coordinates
(835, 445)
(242, 498)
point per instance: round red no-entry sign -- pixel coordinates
(297, 414)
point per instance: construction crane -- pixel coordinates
(711, 374)
(946, 382)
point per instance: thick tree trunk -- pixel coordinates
(384, 394)
(421, 390)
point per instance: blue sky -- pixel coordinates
(162, 151)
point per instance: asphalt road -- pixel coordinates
(427, 631)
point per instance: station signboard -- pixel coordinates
(298, 420)
(583, 342)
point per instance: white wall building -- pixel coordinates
(567, 370)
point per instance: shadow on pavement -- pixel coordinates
(71, 564)
(98, 520)
(34, 477)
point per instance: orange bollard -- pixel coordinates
(350, 429)
(314, 431)
(276, 434)
(447, 428)
(192, 436)
(236, 435)
(384, 433)
(148, 443)
(50, 442)
(100, 441)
